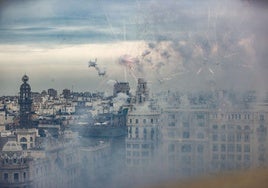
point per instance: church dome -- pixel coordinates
(25, 78)
(12, 146)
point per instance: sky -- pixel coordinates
(174, 45)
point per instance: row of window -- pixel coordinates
(233, 116)
(185, 134)
(230, 127)
(230, 157)
(145, 134)
(185, 148)
(144, 121)
(138, 146)
(137, 161)
(138, 154)
(6, 177)
(230, 148)
(231, 137)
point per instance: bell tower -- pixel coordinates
(25, 102)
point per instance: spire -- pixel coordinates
(25, 102)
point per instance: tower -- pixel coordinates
(142, 92)
(25, 102)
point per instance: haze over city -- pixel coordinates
(133, 93)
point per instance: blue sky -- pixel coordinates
(194, 42)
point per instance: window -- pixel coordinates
(130, 120)
(247, 148)
(231, 137)
(144, 121)
(223, 148)
(152, 120)
(215, 127)
(247, 138)
(137, 121)
(215, 147)
(171, 148)
(128, 145)
(145, 153)
(24, 175)
(136, 146)
(137, 132)
(231, 157)
(238, 148)
(200, 135)
(185, 124)
(215, 137)
(145, 146)
(215, 157)
(201, 124)
(247, 128)
(172, 116)
(6, 176)
(23, 139)
(171, 134)
(238, 137)
(200, 116)
(145, 133)
(200, 148)
(16, 177)
(230, 148)
(246, 157)
(136, 153)
(186, 135)
(171, 124)
(223, 137)
(152, 134)
(186, 148)
(262, 117)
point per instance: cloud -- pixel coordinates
(187, 40)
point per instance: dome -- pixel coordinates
(12, 146)
(25, 78)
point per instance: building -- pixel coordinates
(142, 138)
(184, 141)
(121, 87)
(14, 168)
(197, 138)
(52, 92)
(66, 93)
(142, 92)
(25, 102)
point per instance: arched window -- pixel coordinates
(23, 139)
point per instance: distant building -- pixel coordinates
(142, 92)
(14, 168)
(66, 93)
(121, 87)
(184, 141)
(52, 92)
(25, 102)
(143, 132)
